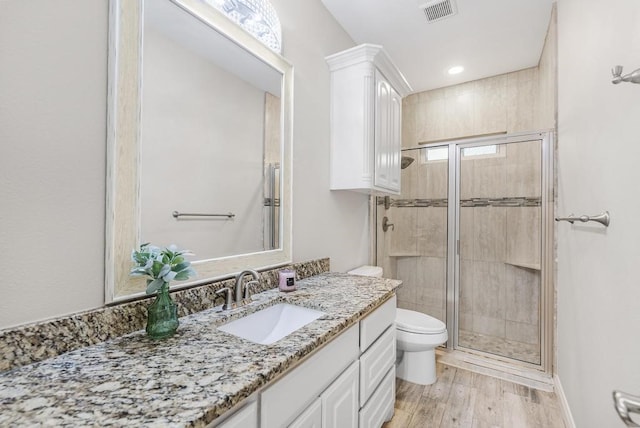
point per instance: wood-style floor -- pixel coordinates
(461, 398)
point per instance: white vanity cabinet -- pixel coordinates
(348, 383)
(377, 366)
(366, 120)
(331, 375)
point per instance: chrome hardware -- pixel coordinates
(625, 404)
(386, 225)
(177, 214)
(247, 290)
(604, 218)
(238, 287)
(633, 77)
(228, 301)
(387, 202)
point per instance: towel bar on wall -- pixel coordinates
(177, 214)
(603, 218)
(625, 404)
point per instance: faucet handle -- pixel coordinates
(228, 302)
(617, 71)
(247, 290)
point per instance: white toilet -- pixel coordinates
(417, 336)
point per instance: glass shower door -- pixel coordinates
(500, 245)
(414, 249)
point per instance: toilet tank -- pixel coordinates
(375, 271)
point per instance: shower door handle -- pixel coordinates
(625, 404)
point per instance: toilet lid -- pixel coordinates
(417, 322)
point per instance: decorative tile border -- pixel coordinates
(31, 343)
(473, 202)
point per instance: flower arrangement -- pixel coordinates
(161, 265)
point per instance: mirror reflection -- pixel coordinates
(211, 139)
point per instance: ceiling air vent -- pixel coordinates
(439, 9)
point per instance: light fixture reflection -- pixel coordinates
(257, 17)
(456, 69)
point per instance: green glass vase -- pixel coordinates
(162, 320)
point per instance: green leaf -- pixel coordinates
(182, 266)
(154, 285)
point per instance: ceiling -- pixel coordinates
(487, 37)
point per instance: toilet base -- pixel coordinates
(417, 367)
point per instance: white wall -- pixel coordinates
(53, 84)
(325, 223)
(598, 154)
(53, 105)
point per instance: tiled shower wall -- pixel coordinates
(515, 102)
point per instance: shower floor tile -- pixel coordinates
(500, 346)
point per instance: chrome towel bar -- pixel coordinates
(177, 214)
(625, 404)
(603, 218)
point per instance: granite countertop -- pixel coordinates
(189, 379)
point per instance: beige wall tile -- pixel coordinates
(459, 103)
(522, 88)
(489, 295)
(432, 179)
(522, 332)
(467, 286)
(489, 233)
(409, 176)
(523, 235)
(489, 177)
(403, 234)
(409, 120)
(522, 294)
(407, 273)
(524, 173)
(467, 177)
(490, 105)
(489, 326)
(431, 231)
(466, 233)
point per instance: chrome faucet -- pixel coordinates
(243, 294)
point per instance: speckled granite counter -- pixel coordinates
(189, 379)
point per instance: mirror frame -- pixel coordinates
(123, 231)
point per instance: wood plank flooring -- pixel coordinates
(465, 399)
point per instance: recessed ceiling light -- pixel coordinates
(455, 70)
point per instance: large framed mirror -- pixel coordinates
(199, 143)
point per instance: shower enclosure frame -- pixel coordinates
(546, 306)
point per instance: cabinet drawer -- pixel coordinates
(282, 402)
(375, 363)
(380, 407)
(375, 323)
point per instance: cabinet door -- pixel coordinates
(387, 143)
(340, 401)
(310, 418)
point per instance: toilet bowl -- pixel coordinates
(417, 336)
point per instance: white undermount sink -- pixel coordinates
(271, 324)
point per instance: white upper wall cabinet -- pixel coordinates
(366, 114)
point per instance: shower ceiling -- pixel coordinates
(487, 38)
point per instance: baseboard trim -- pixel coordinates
(566, 411)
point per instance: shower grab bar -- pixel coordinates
(625, 404)
(177, 214)
(603, 218)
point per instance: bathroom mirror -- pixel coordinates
(199, 143)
